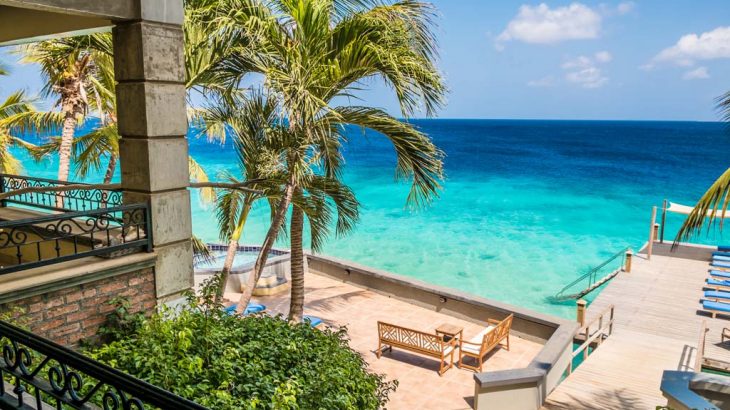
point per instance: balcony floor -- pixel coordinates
(340, 304)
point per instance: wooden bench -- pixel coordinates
(478, 346)
(390, 336)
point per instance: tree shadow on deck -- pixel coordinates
(619, 399)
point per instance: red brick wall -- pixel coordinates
(68, 316)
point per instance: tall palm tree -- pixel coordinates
(717, 198)
(314, 52)
(79, 71)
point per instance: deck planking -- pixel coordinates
(657, 327)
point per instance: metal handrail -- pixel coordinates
(591, 274)
(26, 357)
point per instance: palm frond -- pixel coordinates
(417, 157)
(714, 202)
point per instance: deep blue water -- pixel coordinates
(526, 206)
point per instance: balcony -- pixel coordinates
(49, 227)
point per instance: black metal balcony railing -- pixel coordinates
(36, 373)
(74, 200)
(86, 223)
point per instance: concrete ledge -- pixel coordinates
(45, 279)
(528, 324)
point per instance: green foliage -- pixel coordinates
(252, 362)
(120, 323)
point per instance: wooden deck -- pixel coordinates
(657, 327)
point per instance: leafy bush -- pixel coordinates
(254, 362)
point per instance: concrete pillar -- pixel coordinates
(150, 71)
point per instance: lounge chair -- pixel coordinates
(251, 308)
(720, 258)
(478, 346)
(720, 264)
(715, 308)
(720, 253)
(719, 274)
(717, 295)
(723, 248)
(718, 284)
(313, 321)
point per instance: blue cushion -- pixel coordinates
(721, 264)
(313, 321)
(251, 308)
(721, 258)
(723, 248)
(723, 307)
(720, 253)
(719, 273)
(717, 294)
(715, 282)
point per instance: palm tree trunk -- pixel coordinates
(271, 235)
(231, 253)
(64, 151)
(67, 139)
(110, 168)
(296, 304)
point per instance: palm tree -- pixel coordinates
(252, 125)
(16, 115)
(717, 198)
(315, 200)
(312, 53)
(78, 70)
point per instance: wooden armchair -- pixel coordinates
(478, 346)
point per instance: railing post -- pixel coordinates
(148, 226)
(581, 312)
(610, 323)
(664, 220)
(627, 262)
(652, 229)
(3, 203)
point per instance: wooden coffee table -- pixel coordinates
(449, 331)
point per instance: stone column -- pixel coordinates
(149, 68)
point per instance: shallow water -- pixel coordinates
(527, 206)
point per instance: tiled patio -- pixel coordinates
(420, 387)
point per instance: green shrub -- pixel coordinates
(254, 362)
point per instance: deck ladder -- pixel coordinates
(593, 279)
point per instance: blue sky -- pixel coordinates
(642, 59)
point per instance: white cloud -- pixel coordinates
(626, 7)
(603, 57)
(543, 25)
(690, 48)
(586, 71)
(548, 81)
(699, 73)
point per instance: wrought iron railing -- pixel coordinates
(37, 373)
(33, 242)
(73, 200)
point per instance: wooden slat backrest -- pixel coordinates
(402, 336)
(494, 336)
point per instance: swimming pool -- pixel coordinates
(245, 258)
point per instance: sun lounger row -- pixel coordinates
(716, 298)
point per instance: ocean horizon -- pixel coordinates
(526, 207)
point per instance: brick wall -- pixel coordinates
(68, 316)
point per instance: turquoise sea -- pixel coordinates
(526, 207)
